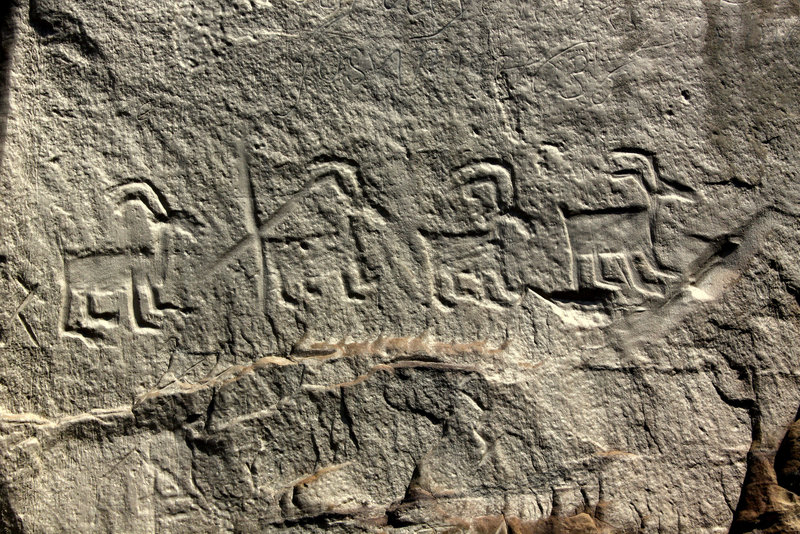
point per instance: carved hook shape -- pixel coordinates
(641, 165)
(346, 175)
(496, 173)
(144, 193)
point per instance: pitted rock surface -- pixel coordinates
(399, 265)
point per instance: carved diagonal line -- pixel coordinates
(18, 316)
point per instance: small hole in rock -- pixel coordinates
(192, 418)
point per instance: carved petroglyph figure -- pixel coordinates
(485, 243)
(472, 246)
(312, 256)
(612, 251)
(613, 248)
(121, 283)
(323, 252)
(327, 258)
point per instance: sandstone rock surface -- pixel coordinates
(400, 265)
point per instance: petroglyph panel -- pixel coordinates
(122, 284)
(398, 264)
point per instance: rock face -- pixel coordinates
(400, 265)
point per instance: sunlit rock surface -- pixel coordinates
(399, 265)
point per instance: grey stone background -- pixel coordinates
(412, 265)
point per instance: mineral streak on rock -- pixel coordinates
(399, 265)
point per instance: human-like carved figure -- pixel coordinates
(122, 283)
(475, 242)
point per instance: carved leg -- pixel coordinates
(447, 291)
(82, 319)
(587, 273)
(645, 266)
(144, 314)
(354, 284)
(498, 291)
(76, 310)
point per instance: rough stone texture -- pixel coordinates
(400, 265)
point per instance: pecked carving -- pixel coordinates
(330, 259)
(437, 265)
(472, 243)
(121, 285)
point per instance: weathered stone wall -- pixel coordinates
(418, 265)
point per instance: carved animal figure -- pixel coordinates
(121, 283)
(472, 243)
(328, 258)
(612, 249)
(312, 253)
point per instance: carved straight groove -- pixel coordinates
(251, 221)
